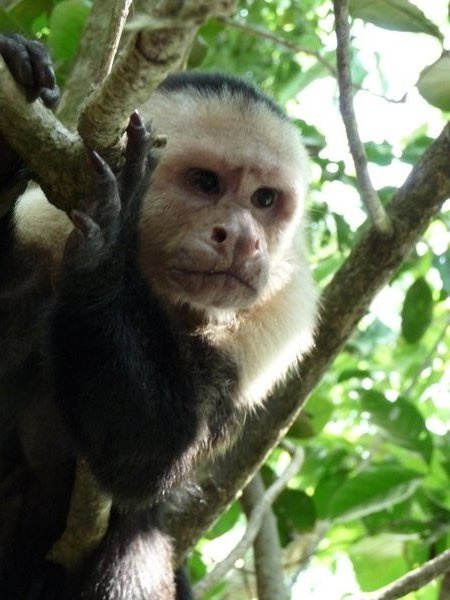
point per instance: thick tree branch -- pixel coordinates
(266, 547)
(149, 55)
(368, 194)
(413, 580)
(371, 264)
(53, 153)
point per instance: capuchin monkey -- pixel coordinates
(138, 331)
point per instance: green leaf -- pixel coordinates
(434, 83)
(326, 489)
(397, 15)
(26, 11)
(380, 154)
(295, 510)
(417, 311)
(378, 560)
(372, 490)
(347, 374)
(198, 52)
(400, 421)
(66, 25)
(225, 522)
(415, 149)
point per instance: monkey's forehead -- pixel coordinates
(230, 125)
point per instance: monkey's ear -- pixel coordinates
(30, 64)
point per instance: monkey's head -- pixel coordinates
(218, 223)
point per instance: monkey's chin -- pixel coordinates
(218, 289)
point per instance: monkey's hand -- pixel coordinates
(31, 66)
(105, 233)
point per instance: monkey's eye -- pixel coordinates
(264, 197)
(205, 181)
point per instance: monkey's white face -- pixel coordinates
(221, 208)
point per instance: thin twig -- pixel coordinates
(116, 25)
(368, 194)
(253, 525)
(413, 580)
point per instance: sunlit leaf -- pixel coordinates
(372, 490)
(400, 421)
(398, 15)
(434, 83)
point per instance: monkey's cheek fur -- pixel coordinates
(219, 289)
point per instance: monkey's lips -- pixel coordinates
(218, 288)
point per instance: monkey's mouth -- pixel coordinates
(224, 287)
(217, 276)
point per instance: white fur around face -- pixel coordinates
(267, 339)
(40, 223)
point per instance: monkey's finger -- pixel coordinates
(50, 97)
(43, 73)
(106, 194)
(15, 55)
(85, 224)
(41, 63)
(136, 154)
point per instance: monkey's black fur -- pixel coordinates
(106, 374)
(219, 84)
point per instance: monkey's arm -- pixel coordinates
(125, 380)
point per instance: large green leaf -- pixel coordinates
(66, 25)
(372, 490)
(25, 12)
(295, 510)
(401, 421)
(417, 310)
(398, 15)
(434, 83)
(378, 560)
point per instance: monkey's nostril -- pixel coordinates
(219, 234)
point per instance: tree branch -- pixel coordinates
(53, 153)
(253, 524)
(58, 156)
(413, 580)
(83, 76)
(371, 264)
(116, 25)
(368, 194)
(149, 55)
(266, 547)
